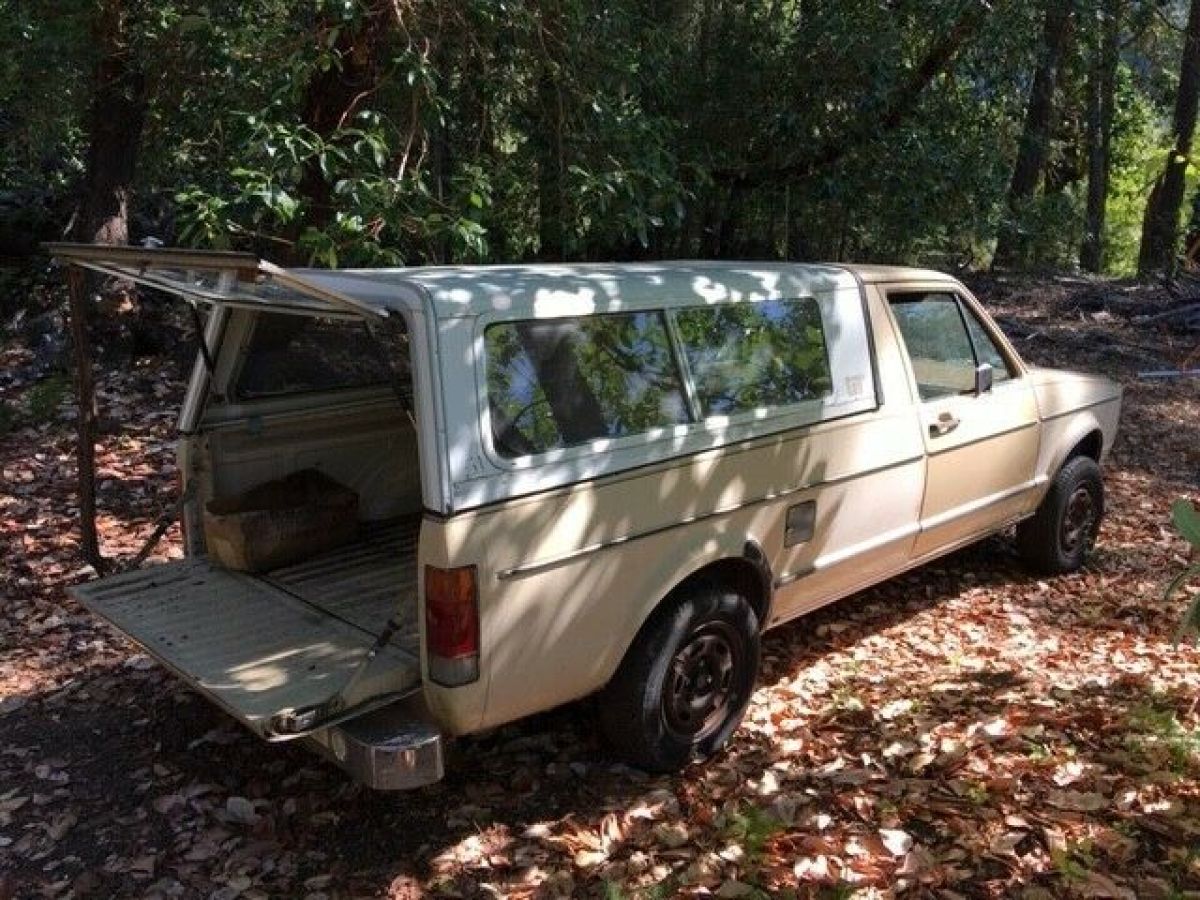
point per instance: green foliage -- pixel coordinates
(663, 890)
(45, 398)
(1139, 139)
(364, 132)
(1074, 861)
(752, 828)
(41, 404)
(1156, 733)
(1187, 521)
(839, 891)
(9, 418)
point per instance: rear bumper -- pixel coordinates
(390, 749)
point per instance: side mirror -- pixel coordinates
(983, 378)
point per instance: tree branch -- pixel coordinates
(884, 115)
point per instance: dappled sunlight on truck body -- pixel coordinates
(574, 479)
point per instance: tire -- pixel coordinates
(684, 684)
(1061, 533)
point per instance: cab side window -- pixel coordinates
(986, 350)
(946, 341)
(938, 344)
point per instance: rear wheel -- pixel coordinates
(685, 683)
(1062, 532)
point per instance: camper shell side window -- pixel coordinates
(555, 383)
(746, 357)
(653, 383)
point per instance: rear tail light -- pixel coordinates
(452, 625)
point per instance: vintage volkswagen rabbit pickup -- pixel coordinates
(422, 502)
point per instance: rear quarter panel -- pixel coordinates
(567, 578)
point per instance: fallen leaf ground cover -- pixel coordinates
(967, 730)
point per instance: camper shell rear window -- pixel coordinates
(297, 354)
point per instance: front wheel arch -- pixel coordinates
(1050, 542)
(1091, 446)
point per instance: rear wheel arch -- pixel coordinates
(685, 680)
(1090, 445)
(748, 575)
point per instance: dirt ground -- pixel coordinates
(967, 730)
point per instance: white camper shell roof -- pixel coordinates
(452, 306)
(241, 280)
(550, 289)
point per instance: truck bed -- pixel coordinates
(361, 582)
(259, 645)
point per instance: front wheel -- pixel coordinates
(685, 683)
(1061, 533)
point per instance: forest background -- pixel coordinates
(951, 133)
(968, 729)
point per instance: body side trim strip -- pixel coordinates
(848, 553)
(982, 503)
(898, 534)
(788, 577)
(550, 562)
(841, 594)
(888, 537)
(1116, 398)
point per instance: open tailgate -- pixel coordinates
(275, 651)
(254, 648)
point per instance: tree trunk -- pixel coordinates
(331, 98)
(1161, 223)
(1035, 136)
(115, 121)
(573, 404)
(728, 244)
(550, 121)
(85, 437)
(551, 234)
(1101, 98)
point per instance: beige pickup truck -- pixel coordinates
(552, 481)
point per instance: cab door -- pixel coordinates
(981, 442)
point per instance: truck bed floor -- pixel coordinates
(362, 583)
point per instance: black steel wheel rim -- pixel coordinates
(1079, 520)
(701, 684)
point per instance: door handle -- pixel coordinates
(945, 424)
